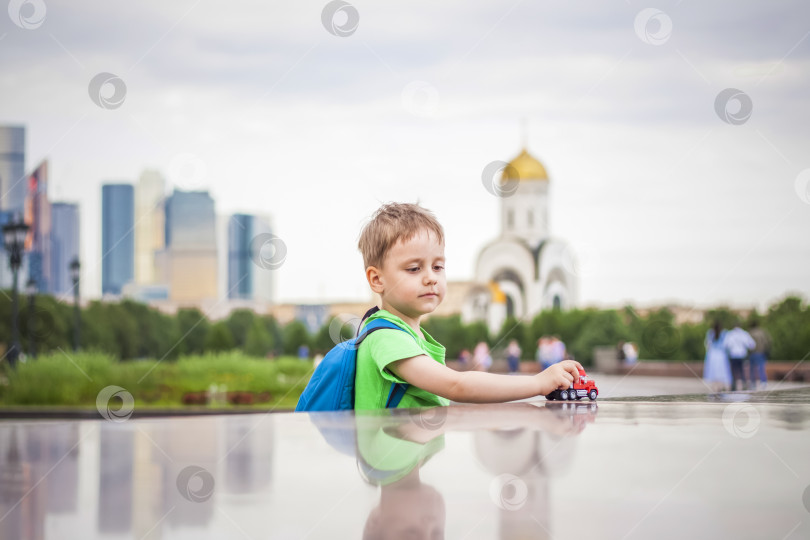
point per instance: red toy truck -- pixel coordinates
(584, 387)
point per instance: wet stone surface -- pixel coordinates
(730, 466)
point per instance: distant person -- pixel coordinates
(716, 368)
(464, 358)
(513, 356)
(403, 255)
(482, 359)
(738, 343)
(620, 351)
(759, 356)
(303, 352)
(630, 352)
(558, 351)
(545, 353)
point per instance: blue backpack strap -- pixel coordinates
(395, 395)
(398, 390)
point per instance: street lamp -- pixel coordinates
(14, 233)
(31, 290)
(74, 275)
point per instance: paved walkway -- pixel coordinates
(619, 386)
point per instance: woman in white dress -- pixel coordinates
(716, 367)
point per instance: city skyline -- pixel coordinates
(668, 187)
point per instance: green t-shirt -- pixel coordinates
(384, 457)
(373, 380)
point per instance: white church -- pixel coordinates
(524, 270)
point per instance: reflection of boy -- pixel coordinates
(386, 457)
(403, 252)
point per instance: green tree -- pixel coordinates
(295, 334)
(258, 342)
(274, 329)
(474, 333)
(660, 338)
(514, 328)
(333, 332)
(219, 338)
(726, 317)
(192, 329)
(239, 322)
(788, 322)
(603, 328)
(450, 332)
(51, 326)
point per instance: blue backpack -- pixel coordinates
(331, 387)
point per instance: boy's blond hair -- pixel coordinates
(391, 223)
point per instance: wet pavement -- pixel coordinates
(729, 465)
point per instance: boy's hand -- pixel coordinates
(558, 376)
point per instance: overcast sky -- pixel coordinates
(666, 188)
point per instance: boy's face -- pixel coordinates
(411, 281)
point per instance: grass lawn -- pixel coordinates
(67, 380)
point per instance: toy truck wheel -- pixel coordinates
(592, 394)
(564, 395)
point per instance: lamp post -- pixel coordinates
(31, 290)
(74, 274)
(14, 233)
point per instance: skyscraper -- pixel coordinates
(149, 225)
(117, 237)
(12, 188)
(38, 217)
(64, 245)
(12, 168)
(189, 262)
(247, 280)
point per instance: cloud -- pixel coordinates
(284, 112)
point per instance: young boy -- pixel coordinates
(403, 252)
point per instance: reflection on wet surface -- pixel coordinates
(722, 469)
(794, 395)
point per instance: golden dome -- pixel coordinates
(524, 167)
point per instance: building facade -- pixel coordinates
(188, 264)
(38, 217)
(247, 278)
(65, 245)
(117, 237)
(150, 225)
(12, 168)
(13, 187)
